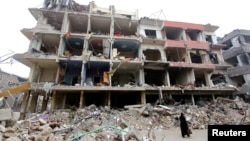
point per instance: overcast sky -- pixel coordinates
(227, 14)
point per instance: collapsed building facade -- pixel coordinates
(85, 54)
(236, 52)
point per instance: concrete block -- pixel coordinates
(5, 114)
(16, 116)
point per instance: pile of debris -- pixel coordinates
(104, 123)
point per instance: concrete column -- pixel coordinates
(44, 104)
(85, 47)
(108, 99)
(141, 77)
(33, 103)
(163, 55)
(53, 100)
(112, 25)
(246, 77)
(35, 43)
(167, 79)
(64, 100)
(65, 24)
(110, 61)
(24, 104)
(239, 60)
(140, 52)
(143, 97)
(58, 74)
(192, 97)
(34, 72)
(248, 57)
(81, 99)
(61, 47)
(213, 97)
(83, 74)
(187, 56)
(207, 76)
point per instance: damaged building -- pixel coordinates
(84, 54)
(236, 52)
(7, 81)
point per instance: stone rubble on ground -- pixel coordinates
(104, 124)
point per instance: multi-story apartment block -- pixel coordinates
(84, 54)
(236, 52)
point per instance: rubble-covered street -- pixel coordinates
(105, 124)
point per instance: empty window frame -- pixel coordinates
(74, 45)
(150, 33)
(193, 35)
(174, 33)
(154, 77)
(214, 58)
(218, 79)
(195, 57)
(152, 55)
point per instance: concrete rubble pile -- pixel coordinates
(94, 123)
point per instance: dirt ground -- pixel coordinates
(175, 135)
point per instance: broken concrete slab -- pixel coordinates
(89, 120)
(6, 114)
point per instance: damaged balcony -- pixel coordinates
(99, 48)
(48, 20)
(178, 57)
(125, 73)
(125, 28)
(78, 23)
(100, 25)
(181, 34)
(154, 57)
(151, 31)
(174, 37)
(72, 47)
(195, 40)
(126, 49)
(176, 54)
(42, 50)
(45, 44)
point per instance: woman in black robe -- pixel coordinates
(184, 126)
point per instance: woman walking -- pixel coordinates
(184, 126)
